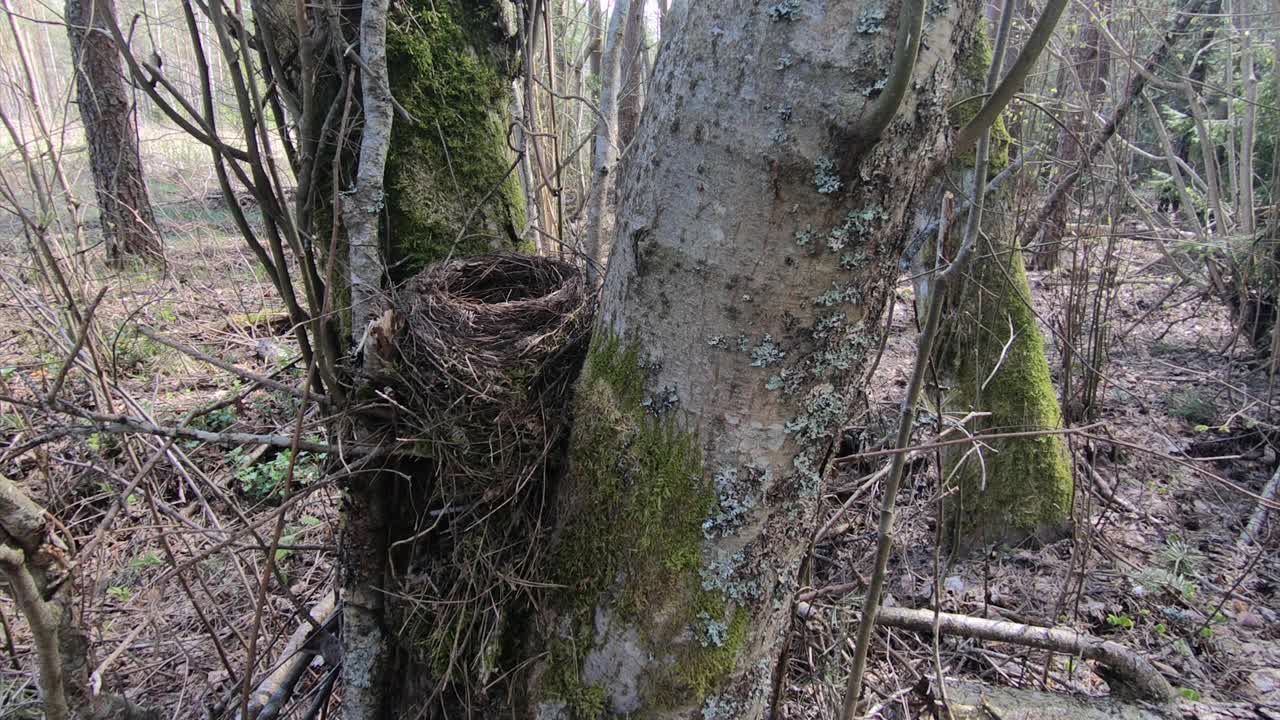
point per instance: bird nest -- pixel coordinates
(489, 351)
(494, 343)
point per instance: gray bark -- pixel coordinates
(362, 211)
(751, 259)
(598, 212)
(366, 656)
(635, 71)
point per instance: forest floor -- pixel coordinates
(206, 510)
(1156, 566)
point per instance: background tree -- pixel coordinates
(107, 112)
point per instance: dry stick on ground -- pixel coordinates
(118, 424)
(1254, 528)
(1132, 669)
(274, 690)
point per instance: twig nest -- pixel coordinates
(489, 351)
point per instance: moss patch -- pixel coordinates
(1025, 487)
(451, 72)
(636, 497)
(700, 669)
(970, 94)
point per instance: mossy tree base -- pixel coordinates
(994, 359)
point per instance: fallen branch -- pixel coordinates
(1254, 528)
(274, 691)
(1133, 671)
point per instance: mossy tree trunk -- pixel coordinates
(452, 185)
(991, 360)
(752, 256)
(452, 189)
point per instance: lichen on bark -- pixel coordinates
(451, 67)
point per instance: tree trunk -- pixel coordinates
(452, 186)
(600, 210)
(452, 189)
(1090, 61)
(994, 362)
(992, 358)
(752, 258)
(124, 207)
(635, 71)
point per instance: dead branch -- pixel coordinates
(1134, 671)
(42, 617)
(239, 372)
(1254, 528)
(273, 691)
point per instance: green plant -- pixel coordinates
(1178, 563)
(292, 533)
(148, 559)
(104, 443)
(132, 350)
(266, 481)
(120, 593)
(1178, 556)
(215, 421)
(1121, 621)
(1193, 407)
(1190, 694)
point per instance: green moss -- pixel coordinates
(1023, 487)
(638, 493)
(637, 497)
(452, 74)
(970, 96)
(700, 669)
(585, 701)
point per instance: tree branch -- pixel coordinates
(1004, 92)
(906, 50)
